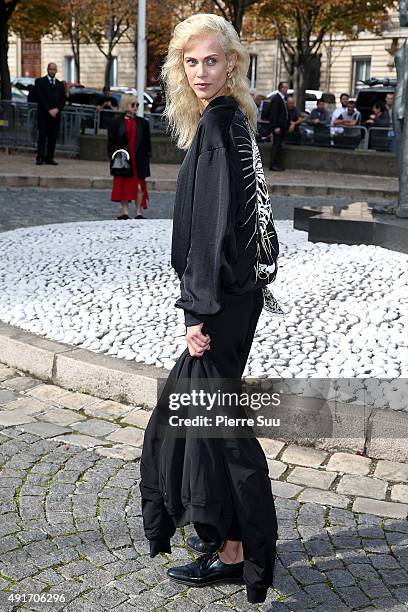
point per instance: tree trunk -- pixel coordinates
(4, 67)
(238, 18)
(74, 38)
(300, 86)
(108, 68)
(77, 59)
(109, 57)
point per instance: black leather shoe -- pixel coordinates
(207, 569)
(51, 162)
(39, 162)
(197, 544)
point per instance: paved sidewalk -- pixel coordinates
(21, 171)
(71, 526)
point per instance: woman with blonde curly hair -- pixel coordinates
(224, 250)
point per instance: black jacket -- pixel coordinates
(224, 241)
(49, 96)
(117, 139)
(278, 114)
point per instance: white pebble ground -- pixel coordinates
(108, 286)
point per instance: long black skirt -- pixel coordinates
(216, 480)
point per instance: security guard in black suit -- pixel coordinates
(50, 96)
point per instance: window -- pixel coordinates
(70, 69)
(361, 72)
(113, 77)
(252, 70)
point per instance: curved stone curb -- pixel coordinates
(78, 369)
(282, 189)
(384, 433)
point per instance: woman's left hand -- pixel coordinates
(197, 342)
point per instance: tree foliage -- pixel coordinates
(30, 18)
(35, 18)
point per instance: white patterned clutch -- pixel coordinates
(271, 304)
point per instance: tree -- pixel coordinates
(108, 21)
(74, 24)
(302, 25)
(33, 18)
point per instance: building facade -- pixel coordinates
(30, 58)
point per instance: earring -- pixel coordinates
(228, 75)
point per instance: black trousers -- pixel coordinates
(47, 136)
(276, 150)
(219, 484)
(232, 333)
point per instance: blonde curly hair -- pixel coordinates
(182, 109)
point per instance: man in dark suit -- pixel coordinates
(278, 123)
(50, 95)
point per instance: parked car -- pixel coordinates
(79, 96)
(17, 95)
(23, 83)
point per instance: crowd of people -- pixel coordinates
(283, 122)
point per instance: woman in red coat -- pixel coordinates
(132, 133)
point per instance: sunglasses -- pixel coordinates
(133, 104)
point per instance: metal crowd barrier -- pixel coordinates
(382, 139)
(18, 125)
(18, 128)
(344, 137)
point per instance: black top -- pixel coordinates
(117, 139)
(382, 120)
(49, 96)
(278, 113)
(224, 241)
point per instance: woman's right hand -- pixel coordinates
(197, 342)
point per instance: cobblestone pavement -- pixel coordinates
(27, 207)
(71, 526)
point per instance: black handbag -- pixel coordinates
(120, 164)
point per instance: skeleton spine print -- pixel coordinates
(258, 202)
